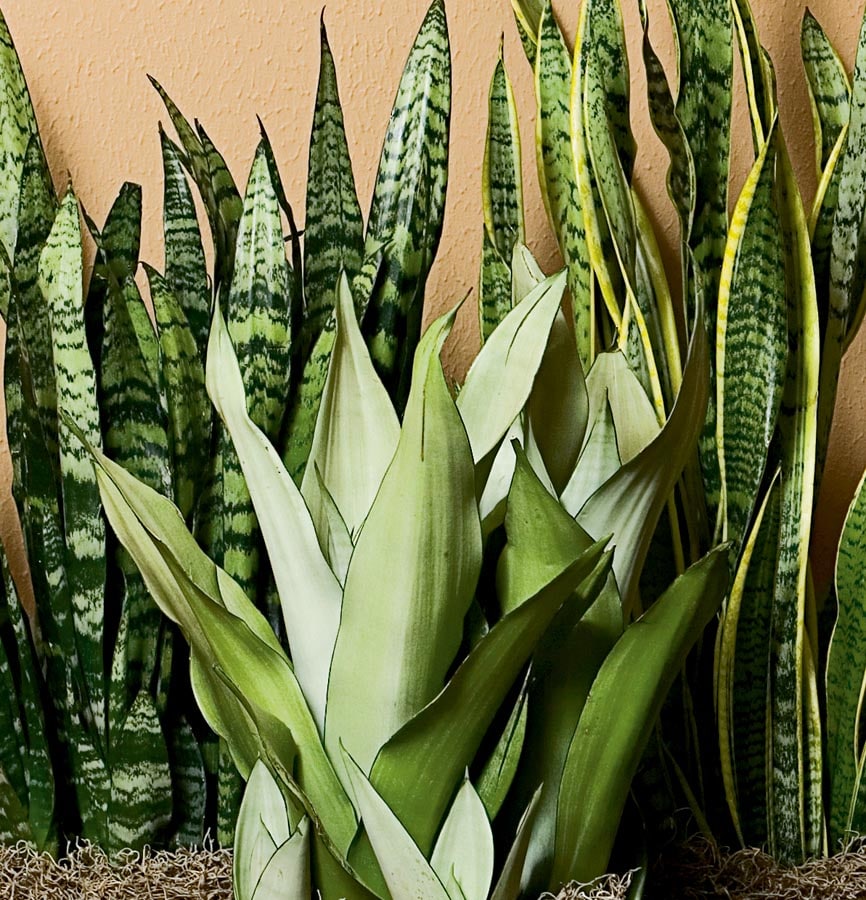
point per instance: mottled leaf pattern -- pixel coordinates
(185, 265)
(558, 178)
(751, 347)
(408, 205)
(829, 88)
(334, 229)
(60, 280)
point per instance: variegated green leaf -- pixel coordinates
(501, 177)
(408, 205)
(630, 513)
(334, 229)
(185, 264)
(189, 412)
(848, 255)
(508, 886)
(798, 832)
(751, 347)
(60, 280)
(846, 673)
(407, 873)
(415, 616)
(17, 125)
(560, 188)
(501, 377)
(443, 739)
(225, 628)
(829, 88)
(499, 770)
(140, 778)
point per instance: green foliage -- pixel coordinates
(132, 758)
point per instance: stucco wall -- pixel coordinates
(225, 61)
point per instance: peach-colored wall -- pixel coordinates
(224, 61)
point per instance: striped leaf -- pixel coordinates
(760, 87)
(17, 125)
(408, 205)
(189, 411)
(527, 14)
(557, 175)
(140, 778)
(829, 88)
(134, 434)
(751, 347)
(334, 229)
(501, 177)
(28, 736)
(502, 200)
(795, 834)
(681, 172)
(229, 208)
(703, 35)
(703, 109)
(846, 673)
(744, 671)
(494, 290)
(258, 324)
(193, 158)
(848, 254)
(439, 545)
(60, 280)
(185, 265)
(188, 783)
(37, 211)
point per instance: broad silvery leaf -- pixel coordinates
(463, 855)
(408, 875)
(412, 575)
(501, 378)
(357, 429)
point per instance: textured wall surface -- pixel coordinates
(224, 61)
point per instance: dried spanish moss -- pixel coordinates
(88, 874)
(610, 887)
(699, 871)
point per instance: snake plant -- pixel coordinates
(119, 753)
(398, 774)
(780, 293)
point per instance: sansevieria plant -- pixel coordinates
(103, 737)
(781, 295)
(387, 750)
